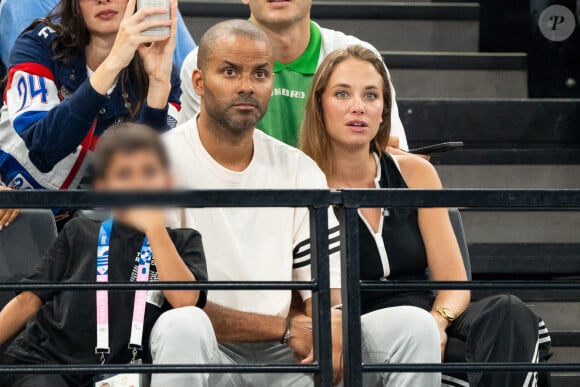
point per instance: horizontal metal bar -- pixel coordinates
(283, 368)
(459, 285)
(44, 369)
(301, 285)
(87, 199)
(471, 367)
(474, 198)
(200, 285)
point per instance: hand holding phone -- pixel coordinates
(156, 31)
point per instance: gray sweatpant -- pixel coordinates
(394, 335)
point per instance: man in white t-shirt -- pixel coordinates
(300, 45)
(220, 149)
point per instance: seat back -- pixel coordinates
(457, 224)
(22, 246)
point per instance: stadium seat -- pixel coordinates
(496, 132)
(457, 224)
(23, 244)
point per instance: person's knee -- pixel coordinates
(411, 327)
(420, 327)
(183, 325)
(508, 305)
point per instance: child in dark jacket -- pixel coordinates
(86, 327)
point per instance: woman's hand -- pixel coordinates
(129, 38)
(7, 215)
(127, 42)
(158, 61)
(337, 351)
(337, 357)
(443, 324)
(300, 341)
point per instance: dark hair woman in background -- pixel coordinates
(346, 129)
(85, 67)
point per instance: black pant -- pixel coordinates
(42, 380)
(35, 381)
(497, 329)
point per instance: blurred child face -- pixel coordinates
(353, 104)
(103, 17)
(135, 171)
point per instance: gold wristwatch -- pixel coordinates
(445, 313)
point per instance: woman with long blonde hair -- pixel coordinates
(346, 130)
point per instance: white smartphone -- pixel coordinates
(159, 31)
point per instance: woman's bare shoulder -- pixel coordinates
(418, 172)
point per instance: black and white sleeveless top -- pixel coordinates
(396, 251)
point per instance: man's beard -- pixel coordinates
(236, 124)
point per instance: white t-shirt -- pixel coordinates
(251, 244)
(331, 40)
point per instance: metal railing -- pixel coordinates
(511, 200)
(347, 203)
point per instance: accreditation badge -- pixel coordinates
(122, 380)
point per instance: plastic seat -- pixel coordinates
(22, 246)
(455, 351)
(457, 223)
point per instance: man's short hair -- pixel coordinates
(235, 27)
(127, 138)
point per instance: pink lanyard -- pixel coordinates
(136, 340)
